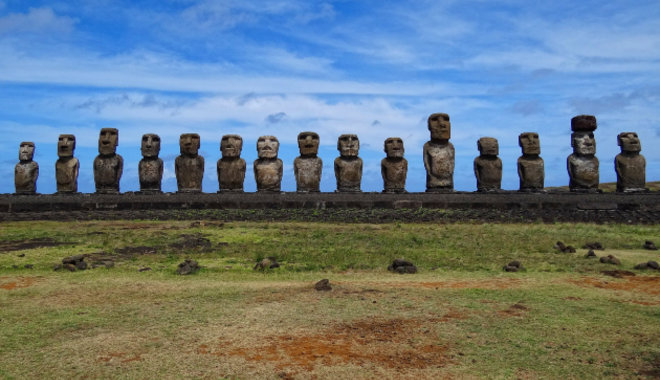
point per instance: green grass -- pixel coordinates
(460, 317)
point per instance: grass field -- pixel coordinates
(461, 316)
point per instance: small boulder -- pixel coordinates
(650, 246)
(594, 245)
(267, 263)
(323, 285)
(642, 266)
(513, 266)
(591, 254)
(648, 265)
(28, 266)
(563, 248)
(144, 269)
(73, 259)
(402, 266)
(609, 259)
(188, 266)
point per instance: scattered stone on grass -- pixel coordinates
(618, 273)
(28, 266)
(402, 266)
(21, 255)
(513, 266)
(594, 245)
(103, 263)
(72, 263)
(267, 263)
(563, 248)
(323, 285)
(591, 254)
(650, 246)
(144, 269)
(648, 265)
(609, 259)
(188, 266)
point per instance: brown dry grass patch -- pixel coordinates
(396, 344)
(19, 282)
(638, 284)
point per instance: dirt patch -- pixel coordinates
(120, 357)
(637, 284)
(618, 273)
(515, 310)
(397, 344)
(21, 282)
(19, 245)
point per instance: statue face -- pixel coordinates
(394, 147)
(189, 144)
(348, 145)
(529, 142)
(583, 143)
(231, 146)
(26, 151)
(488, 146)
(267, 147)
(308, 143)
(150, 145)
(439, 126)
(629, 142)
(108, 140)
(65, 145)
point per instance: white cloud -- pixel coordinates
(36, 20)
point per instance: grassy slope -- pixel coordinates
(461, 316)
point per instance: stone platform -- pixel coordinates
(368, 207)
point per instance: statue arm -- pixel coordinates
(476, 170)
(427, 164)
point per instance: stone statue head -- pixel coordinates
(629, 142)
(267, 147)
(348, 145)
(108, 140)
(308, 143)
(66, 144)
(189, 144)
(231, 146)
(26, 151)
(440, 127)
(529, 142)
(150, 145)
(488, 146)
(583, 143)
(394, 147)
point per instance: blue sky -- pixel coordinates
(373, 68)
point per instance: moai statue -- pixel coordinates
(630, 166)
(582, 164)
(108, 165)
(439, 155)
(530, 165)
(394, 168)
(348, 166)
(231, 167)
(67, 166)
(150, 167)
(189, 166)
(26, 171)
(308, 166)
(268, 168)
(487, 166)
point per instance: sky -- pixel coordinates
(373, 68)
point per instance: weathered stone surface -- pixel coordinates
(187, 267)
(583, 165)
(610, 259)
(439, 155)
(267, 263)
(67, 166)
(150, 168)
(487, 166)
(594, 245)
(108, 165)
(591, 254)
(649, 245)
(563, 248)
(268, 168)
(26, 171)
(531, 168)
(323, 285)
(348, 166)
(308, 167)
(394, 168)
(189, 165)
(513, 266)
(630, 166)
(231, 167)
(402, 266)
